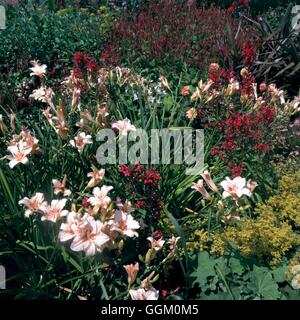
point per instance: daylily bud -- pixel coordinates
(2, 124)
(221, 206)
(12, 118)
(121, 245)
(132, 271)
(164, 81)
(207, 177)
(155, 278)
(200, 188)
(149, 256)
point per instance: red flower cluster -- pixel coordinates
(178, 32)
(232, 7)
(244, 133)
(143, 183)
(219, 76)
(83, 62)
(235, 5)
(249, 54)
(139, 173)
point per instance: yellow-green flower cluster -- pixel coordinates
(272, 233)
(197, 241)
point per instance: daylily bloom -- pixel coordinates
(156, 245)
(81, 140)
(96, 177)
(43, 94)
(214, 67)
(29, 141)
(195, 96)
(173, 242)
(19, 154)
(62, 130)
(244, 72)
(235, 188)
(87, 115)
(124, 224)
(126, 207)
(102, 113)
(34, 204)
(38, 70)
(185, 91)
(142, 294)
(132, 271)
(60, 187)
(207, 177)
(191, 114)
(101, 199)
(55, 212)
(199, 186)
(69, 230)
(251, 185)
(90, 238)
(205, 86)
(124, 126)
(296, 104)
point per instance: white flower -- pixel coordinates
(173, 242)
(156, 245)
(38, 70)
(296, 281)
(69, 230)
(296, 104)
(43, 94)
(81, 140)
(124, 224)
(55, 211)
(191, 114)
(101, 199)
(96, 177)
(235, 188)
(89, 237)
(60, 187)
(142, 294)
(36, 203)
(124, 126)
(19, 152)
(199, 186)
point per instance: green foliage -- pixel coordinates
(233, 278)
(51, 37)
(279, 54)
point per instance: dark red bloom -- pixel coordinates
(157, 234)
(140, 204)
(85, 202)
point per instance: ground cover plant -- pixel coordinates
(78, 221)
